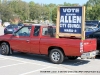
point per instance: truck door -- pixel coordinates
(35, 40)
(21, 40)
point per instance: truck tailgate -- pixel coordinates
(89, 45)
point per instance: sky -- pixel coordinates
(58, 1)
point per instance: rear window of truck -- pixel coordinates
(48, 31)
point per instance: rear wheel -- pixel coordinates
(5, 49)
(56, 56)
(72, 57)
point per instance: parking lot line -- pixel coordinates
(22, 61)
(33, 63)
(25, 61)
(35, 70)
(30, 62)
(11, 65)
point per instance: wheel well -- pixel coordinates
(4, 41)
(55, 47)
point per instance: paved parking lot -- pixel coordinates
(28, 64)
(20, 64)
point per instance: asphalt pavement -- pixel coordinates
(29, 64)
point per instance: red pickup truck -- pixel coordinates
(40, 39)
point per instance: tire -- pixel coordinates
(5, 49)
(72, 57)
(56, 56)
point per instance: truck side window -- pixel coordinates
(36, 30)
(25, 31)
(48, 31)
(45, 31)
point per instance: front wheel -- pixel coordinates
(4, 49)
(56, 56)
(72, 57)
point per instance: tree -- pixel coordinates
(35, 11)
(93, 10)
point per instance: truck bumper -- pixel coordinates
(89, 55)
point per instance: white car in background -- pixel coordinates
(5, 24)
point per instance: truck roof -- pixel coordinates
(38, 25)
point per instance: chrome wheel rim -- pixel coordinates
(55, 56)
(3, 49)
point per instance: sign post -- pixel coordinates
(71, 22)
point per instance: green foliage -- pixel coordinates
(34, 11)
(93, 10)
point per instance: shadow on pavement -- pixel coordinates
(44, 58)
(76, 62)
(98, 57)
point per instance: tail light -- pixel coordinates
(81, 47)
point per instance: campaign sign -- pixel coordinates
(70, 20)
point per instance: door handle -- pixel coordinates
(27, 40)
